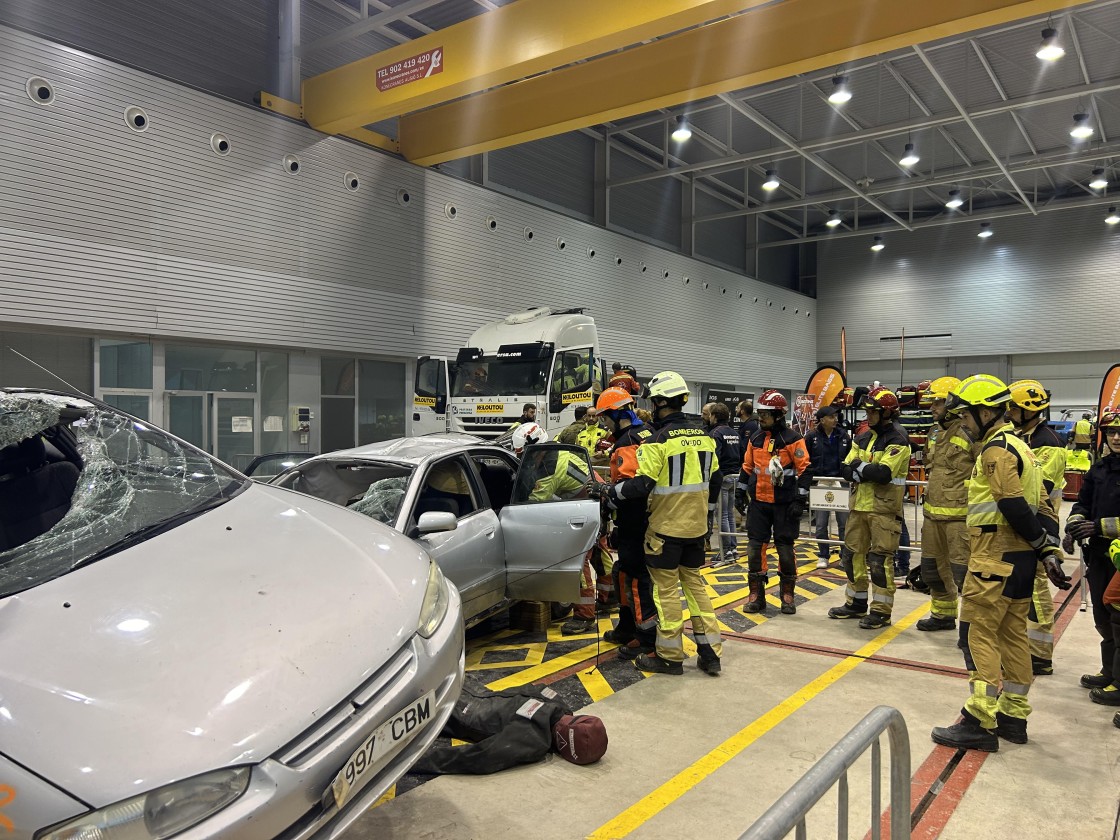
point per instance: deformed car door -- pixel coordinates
(550, 523)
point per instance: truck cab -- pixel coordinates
(546, 357)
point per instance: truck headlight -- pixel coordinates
(435, 602)
(160, 813)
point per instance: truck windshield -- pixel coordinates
(491, 376)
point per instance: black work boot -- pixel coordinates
(874, 620)
(788, 606)
(633, 649)
(576, 626)
(615, 637)
(1096, 680)
(1011, 728)
(654, 664)
(1107, 696)
(1116, 720)
(856, 609)
(756, 600)
(966, 735)
(707, 661)
(937, 622)
(1041, 667)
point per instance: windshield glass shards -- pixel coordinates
(79, 480)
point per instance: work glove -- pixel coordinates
(1067, 544)
(741, 499)
(711, 520)
(795, 509)
(855, 467)
(1051, 559)
(604, 445)
(776, 470)
(1082, 529)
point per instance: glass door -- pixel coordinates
(186, 418)
(234, 430)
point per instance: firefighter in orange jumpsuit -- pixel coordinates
(775, 476)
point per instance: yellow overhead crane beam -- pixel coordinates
(773, 42)
(510, 43)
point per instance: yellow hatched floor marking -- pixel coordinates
(831, 584)
(804, 593)
(534, 655)
(594, 684)
(665, 795)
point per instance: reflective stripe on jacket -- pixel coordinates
(1005, 469)
(789, 448)
(950, 457)
(891, 448)
(567, 478)
(678, 472)
(1051, 457)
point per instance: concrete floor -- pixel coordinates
(695, 756)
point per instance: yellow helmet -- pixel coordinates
(668, 384)
(1029, 394)
(940, 388)
(981, 390)
(1110, 418)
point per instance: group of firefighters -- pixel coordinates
(990, 537)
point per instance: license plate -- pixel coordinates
(399, 729)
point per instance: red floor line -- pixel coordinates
(945, 803)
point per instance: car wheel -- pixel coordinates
(560, 609)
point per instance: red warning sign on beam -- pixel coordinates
(410, 69)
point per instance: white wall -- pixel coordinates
(108, 230)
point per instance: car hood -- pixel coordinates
(211, 645)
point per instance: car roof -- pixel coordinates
(413, 450)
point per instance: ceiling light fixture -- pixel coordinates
(1112, 218)
(833, 219)
(985, 230)
(955, 200)
(841, 93)
(1081, 128)
(683, 131)
(1099, 182)
(909, 156)
(1050, 49)
(771, 183)
(878, 245)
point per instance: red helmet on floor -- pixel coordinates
(772, 400)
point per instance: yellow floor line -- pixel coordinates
(595, 685)
(559, 663)
(831, 584)
(652, 804)
(804, 593)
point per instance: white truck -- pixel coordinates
(548, 357)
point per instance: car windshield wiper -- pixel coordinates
(154, 529)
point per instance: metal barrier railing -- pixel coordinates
(789, 812)
(915, 546)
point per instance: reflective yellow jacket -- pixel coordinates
(1051, 456)
(950, 457)
(678, 472)
(890, 449)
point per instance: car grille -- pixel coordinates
(305, 749)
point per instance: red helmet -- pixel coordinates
(772, 400)
(880, 399)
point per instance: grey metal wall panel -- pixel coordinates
(558, 170)
(1040, 284)
(723, 241)
(650, 209)
(103, 229)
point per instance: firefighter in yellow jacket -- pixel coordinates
(949, 459)
(877, 466)
(679, 475)
(1006, 544)
(1029, 402)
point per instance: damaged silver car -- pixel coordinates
(185, 652)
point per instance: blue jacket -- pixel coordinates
(827, 452)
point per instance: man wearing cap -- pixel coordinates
(828, 445)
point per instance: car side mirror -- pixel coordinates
(435, 521)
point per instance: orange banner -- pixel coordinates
(825, 386)
(1110, 395)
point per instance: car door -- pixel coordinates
(429, 395)
(550, 523)
(470, 556)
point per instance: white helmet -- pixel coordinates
(527, 434)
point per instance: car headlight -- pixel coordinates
(160, 813)
(435, 602)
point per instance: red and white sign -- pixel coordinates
(410, 69)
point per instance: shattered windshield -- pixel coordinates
(491, 376)
(374, 489)
(79, 481)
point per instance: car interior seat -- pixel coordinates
(498, 482)
(34, 493)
